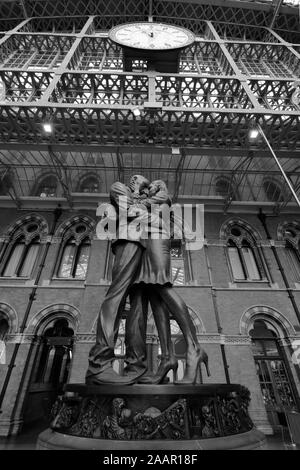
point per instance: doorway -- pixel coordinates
(51, 370)
(275, 379)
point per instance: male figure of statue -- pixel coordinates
(128, 254)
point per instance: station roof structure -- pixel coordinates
(59, 68)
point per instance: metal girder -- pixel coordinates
(73, 79)
(7, 179)
(189, 173)
(277, 5)
(287, 180)
(178, 174)
(62, 174)
(236, 180)
(191, 14)
(120, 167)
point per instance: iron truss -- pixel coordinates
(54, 15)
(190, 128)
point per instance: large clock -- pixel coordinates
(151, 36)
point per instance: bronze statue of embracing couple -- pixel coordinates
(142, 270)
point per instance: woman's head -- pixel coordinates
(157, 185)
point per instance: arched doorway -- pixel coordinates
(4, 326)
(276, 383)
(50, 370)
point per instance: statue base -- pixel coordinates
(150, 417)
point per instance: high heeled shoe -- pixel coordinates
(165, 366)
(193, 367)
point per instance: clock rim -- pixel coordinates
(113, 30)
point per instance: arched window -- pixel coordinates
(177, 263)
(244, 257)
(21, 254)
(225, 189)
(47, 187)
(291, 236)
(4, 327)
(90, 184)
(120, 350)
(5, 183)
(272, 371)
(55, 354)
(273, 191)
(74, 256)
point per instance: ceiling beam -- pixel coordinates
(278, 4)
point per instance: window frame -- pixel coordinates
(37, 191)
(292, 252)
(25, 250)
(78, 245)
(245, 240)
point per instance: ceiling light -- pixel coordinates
(136, 111)
(253, 133)
(48, 128)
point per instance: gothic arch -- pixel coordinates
(35, 218)
(229, 223)
(47, 314)
(271, 315)
(84, 176)
(284, 225)
(11, 315)
(66, 224)
(43, 176)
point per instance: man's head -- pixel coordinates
(137, 183)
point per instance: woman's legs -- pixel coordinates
(180, 313)
(162, 322)
(195, 353)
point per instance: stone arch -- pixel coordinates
(284, 225)
(11, 316)
(66, 224)
(35, 218)
(271, 315)
(229, 223)
(43, 176)
(47, 314)
(197, 320)
(84, 176)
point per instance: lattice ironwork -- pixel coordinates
(110, 12)
(26, 86)
(180, 127)
(234, 31)
(235, 12)
(101, 89)
(265, 60)
(66, 72)
(275, 95)
(97, 54)
(11, 9)
(41, 52)
(204, 58)
(57, 24)
(289, 36)
(201, 93)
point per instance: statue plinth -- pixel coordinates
(173, 417)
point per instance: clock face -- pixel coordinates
(151, 36)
